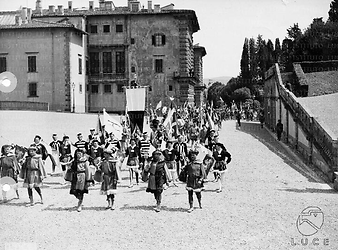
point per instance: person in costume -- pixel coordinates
(170, 155)
(133, 153)
(110, 178)
(33, 172)
(144, 146)
(9, 167)
(66, 157)
(112, 143)
(158, 176)
(40, 148)
(222, 158)
(55, 146)
(195, 176)
(92, 136)
(80, 143)
(181, 147)
(81, 177)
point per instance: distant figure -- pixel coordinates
(261, 119)
(238, 118)
(279, 129)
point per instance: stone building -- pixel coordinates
(46, 60)
(123, 46)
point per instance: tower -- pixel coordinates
(38, 6)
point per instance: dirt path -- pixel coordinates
(265, 191)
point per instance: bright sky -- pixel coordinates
(225, 23)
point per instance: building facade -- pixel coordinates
(123, 46)
(45, 59)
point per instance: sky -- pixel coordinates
(224, 24)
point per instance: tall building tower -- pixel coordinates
(38, 6)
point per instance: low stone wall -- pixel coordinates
(18, 105)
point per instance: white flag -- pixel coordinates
(112, 125)
(159, 105)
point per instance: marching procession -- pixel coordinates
(163, 158)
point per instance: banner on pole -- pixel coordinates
(136, 99)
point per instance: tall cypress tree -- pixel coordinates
(270, 52)
(253, 60)
(333, 12)
(262, 55)
(278, 51)
(245, 68)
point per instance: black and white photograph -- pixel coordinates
(172, 125)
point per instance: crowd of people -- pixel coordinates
(160, 158)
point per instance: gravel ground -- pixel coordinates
(265, 191)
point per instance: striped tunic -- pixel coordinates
(81, 145)
(144, 147)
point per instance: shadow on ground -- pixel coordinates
(151, 208)
(274, 146)
(310, 190)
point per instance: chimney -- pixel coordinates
(38, 6)
(24, 14)
(129, 4)
(91, 5)
(108, 5)
(102, 5)
(157, 8)
(70, 5)
(150, 6)
(61, 10)
(29, 15)
(51, 8)
(18, 20)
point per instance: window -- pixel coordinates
(132, 40)
(31, 63)
(93, 29)
(107, 62)
(80, 66)
(80, 88)
(119, 28)
(133, 69)
(94, 63)
(158, 40)
(119, 88)
(159, 65)
(106, 28)
(95, 89)
(107, 88)
(150, 88)
(87, 66)
(3, 64)
(120, 62)
(32, 89)
(170, 87)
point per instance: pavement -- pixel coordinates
(270, 200)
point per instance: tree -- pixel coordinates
(253, 60)
(333, 12)
(245, 68)
(241, 95)
(214, 92)
(278, 51)
(270, 52)
(262, 54)
(294, 32)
